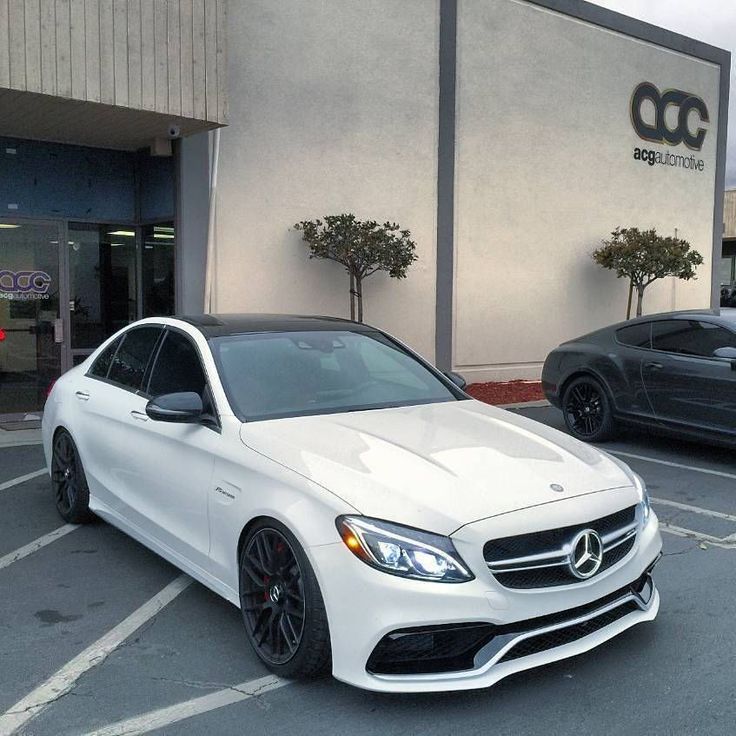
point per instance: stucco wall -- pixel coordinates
(545, 170)
(333, 108)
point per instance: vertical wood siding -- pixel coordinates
(163, 55)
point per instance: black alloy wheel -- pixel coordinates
(587, 410)
(68, 481)
(281, 604)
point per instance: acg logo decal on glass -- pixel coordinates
(659, 132)
(24, 282)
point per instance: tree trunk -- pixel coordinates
(352, 296)
(628, 306)
(639, 298)
(359, 296)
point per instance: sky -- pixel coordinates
(712, 21)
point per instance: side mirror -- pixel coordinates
(183, 407)
(726, 354)
(457, 379)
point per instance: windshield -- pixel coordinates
(288, 374)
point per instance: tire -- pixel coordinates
(588, 411)
(281, 603)
(68, 481)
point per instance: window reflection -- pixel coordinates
(102, 281)
(159, 244)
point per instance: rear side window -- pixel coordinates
(691, 337)
(131, 360)
(177, 367)
(636, 336)
(101, 366)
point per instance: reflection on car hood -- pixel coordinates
(436, 466)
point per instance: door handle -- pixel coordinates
(139, 415)
(82, 395)
(58, 331)
(653, 365)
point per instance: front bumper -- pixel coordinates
(506, 630)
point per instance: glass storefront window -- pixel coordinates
(102, 282)
(159, 246)
(30, 335)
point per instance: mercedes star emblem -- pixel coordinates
(586, 554)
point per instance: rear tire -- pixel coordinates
(587, 410)
(68, 481)
(281, 603)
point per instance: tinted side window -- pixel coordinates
(131, 360)
(690, 337)
(637, 336)
(177, 367)
(102, 365)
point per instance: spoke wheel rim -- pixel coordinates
(272, 596)
(584, 409)
(65, 473)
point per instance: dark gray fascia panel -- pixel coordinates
(445, 276)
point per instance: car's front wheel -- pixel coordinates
(587, 410)
(68, 480)
(281, 603)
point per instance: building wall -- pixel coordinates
(729, 214)
(333, 109)
(166, 56)
(544, 172)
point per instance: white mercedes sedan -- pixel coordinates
(364, 513)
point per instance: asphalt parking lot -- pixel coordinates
(100, 636)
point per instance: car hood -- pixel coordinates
(436, 466)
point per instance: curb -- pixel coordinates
(525, 404)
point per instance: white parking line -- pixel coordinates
(147, 722)
(22, 479)
(62, 681)
(679, 531)
(694, 509)
(37, 544)
(669, 463)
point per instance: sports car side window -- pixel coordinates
(131, 360)
(177, 367)
(635, 336)
(690, 337)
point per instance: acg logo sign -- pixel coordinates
(24, 282)
(659, 132)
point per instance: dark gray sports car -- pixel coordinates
(674, 371)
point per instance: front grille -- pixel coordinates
(567, 635)
(540, 559)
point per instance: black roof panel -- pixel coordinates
(218, 325)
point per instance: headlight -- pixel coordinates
(401, 550)
(646, 507)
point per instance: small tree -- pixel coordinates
(642, 256)
(362, 246)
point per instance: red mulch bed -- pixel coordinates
(509, 392)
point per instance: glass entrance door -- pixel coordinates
(31, 334)
(103, 283)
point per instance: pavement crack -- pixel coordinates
(681, 552)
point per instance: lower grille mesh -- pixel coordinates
(560, 637)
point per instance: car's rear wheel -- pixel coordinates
(281, 603)
(587, 410)
(68, 480)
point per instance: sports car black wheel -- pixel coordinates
(68, 481)
(587, 410)
(281, 603)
